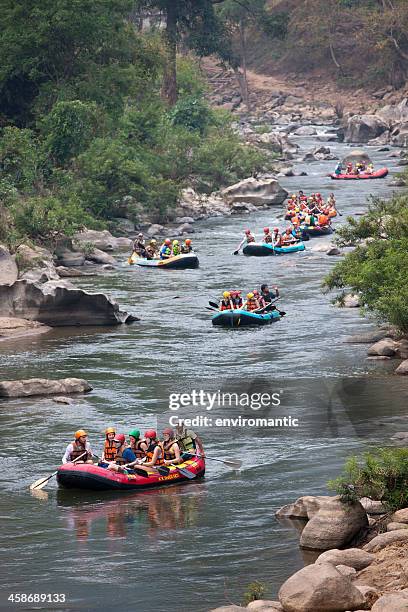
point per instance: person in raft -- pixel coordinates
(277, 237)
(188, 441)
(338, 169)
(259, 298)
(267, 238)
(109, 448)
(269, 296)
(176, 248)
(170, 447)
(151, 249)
(139, 246)
(79, 447)
(226, 302)
(165, 249)
(251, 303)
(186, 247)
(237, 300)
(124, 454)
(248, 238)
(137, 444)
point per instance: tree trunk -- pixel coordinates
(169, 87)
(242, 76)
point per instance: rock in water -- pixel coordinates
(402, 369)
(318, 588)
(8, 268)
(356, 155)
(43, 386)
(362, 128)
(256, 191)
(58, 303)
(334, 525)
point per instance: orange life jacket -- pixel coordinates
(78, 450)
(169, 453)
(119, 456)
(138, 451)
(150, 452)
(251, 305)
(323, 219)
(109, 450)
(225, 306)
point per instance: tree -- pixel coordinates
(195, 23)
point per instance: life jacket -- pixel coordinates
(295, 220)
(165, 251)
(150, 452)
(169, 453)
(323, 219)
(237, 302)
(267, 238)
(224, 306)
(78, 450)
(250, 238)
(109, 450)
(119, 456)
(186, 444)
(251, 305)
(176, 250)
(138, 451)
(287, 238)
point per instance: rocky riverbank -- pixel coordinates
(359, 568)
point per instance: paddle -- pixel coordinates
(41, 482)
(213, 304)
(164, 471)
(234, 463)
(211, 309)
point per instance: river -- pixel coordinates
(197, 546)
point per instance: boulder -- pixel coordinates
(102, 240)
(401, 516)
(100, 257)
(185, 228)
(380, 141)
(68, 258)
(400, 435)
(8, 267)
(351, 301)
(372, 506)
(385, 539)
(346, 570)
(60, 399)
(265, 605)
(58, 303)
(368, 338)
(123, 225)
(392, 602)
(362, 128)
(333, 251)
(185, 220)
(230, 608)
(64, 272)
(320, 588)
(399, 135)
(334, 525)
(155, 230)
(352, 557)
(402, 369)
(305, 130)
(43, 386)
(256, 191)
(11, 327)
(396, 526)
(386, 347)
(355, 156)
(393, 114)
(303, 508)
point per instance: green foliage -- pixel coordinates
(378, 267)
(254, 590)
(380, 475)
(69, 128)
(190, 79)
(191, 113)
(19, 158)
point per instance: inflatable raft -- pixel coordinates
(261, 249)
(179, 262)
(243, 318)
(316, 230)
(95, 478)
(381, 173)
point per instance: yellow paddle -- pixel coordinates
(41, 482)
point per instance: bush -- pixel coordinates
(380, 475)
(254, 590)
(191, 113)
(20, 158)
(69, 128)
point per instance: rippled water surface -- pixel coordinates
(191, 547)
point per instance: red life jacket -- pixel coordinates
(225, 306)
(251, 305)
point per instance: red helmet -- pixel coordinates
(276, 229)
(318, 195)
(120, 438)
(168, 431)
(266, 230)
(167, 241)
(150, 433)
(247, 231)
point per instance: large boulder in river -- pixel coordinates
(334, 525)
(256, 191)
(362, 128)
(303, 508)
(356, 155)
(320, 588)
(102, 240)
(352, 557)
(394, 114)
(58, 303)
(43, 386)
(36, 264)
(385, 539)
(8, 267)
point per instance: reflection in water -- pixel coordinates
(159, 510)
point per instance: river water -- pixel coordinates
(197, 546)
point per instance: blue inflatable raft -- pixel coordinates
(243, 318)
(262, 249)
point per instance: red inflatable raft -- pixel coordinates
(381, 173)
(95, 478)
